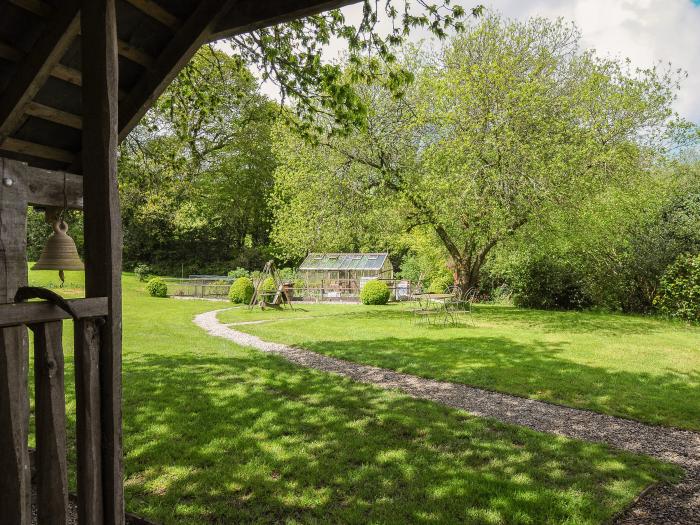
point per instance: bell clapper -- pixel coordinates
(62, 276)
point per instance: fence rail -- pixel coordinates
(46, 322)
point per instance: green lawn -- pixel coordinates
(215, 433)
(642, 368)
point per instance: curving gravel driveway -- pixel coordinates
(665, 504)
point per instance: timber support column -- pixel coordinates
(103, 239)
(15, 489)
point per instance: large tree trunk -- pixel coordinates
(466, 274)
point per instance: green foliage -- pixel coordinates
(287, 274)
(375, 292)
(268, 286)
(241, 291)
(679, 293)
(441, 282)
(612, 249)
(509, 122)
(142, 271)
(238, 272)
(157, 287)
(289, 57)
(196, 174)
(546, 282)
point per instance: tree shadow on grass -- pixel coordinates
(249, 438)
(534, 370)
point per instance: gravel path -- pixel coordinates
(674, 504)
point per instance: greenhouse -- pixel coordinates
(337, 275)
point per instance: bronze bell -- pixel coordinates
(60, 252)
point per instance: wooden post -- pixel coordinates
(87, 397)
(15, 479)
(103, 229)
(50, 409)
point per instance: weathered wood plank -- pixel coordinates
(67, 74)
(36, 150)
(54, 115)
(50, 416)
(193, 33)
(155, 11)
(103, 237)
(88, 440)
(36, 67)
(43, 312)
(15, 477)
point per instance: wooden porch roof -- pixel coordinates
(40, 63)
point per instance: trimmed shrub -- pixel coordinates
(679, 293)
(157, 287)
(241, 291)
(142, 271)
(375, 292)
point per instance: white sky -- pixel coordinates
(646, 31)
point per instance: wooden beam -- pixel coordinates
(248, 15)
(15, 479)
(67, 74)
(50, 417)
(36, 150)
(54, 115)
(87, 424)
(103, 236)
(194, 32)
(155, 11)
(135, 54)
(15, 314)
(36, 67)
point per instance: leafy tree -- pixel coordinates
(507, 122)
(195, 175)
(289, 55)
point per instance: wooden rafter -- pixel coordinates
(36, 67)
(193, 33)
(40, 8)
(155, 11)
(54, 115)
(36, 150)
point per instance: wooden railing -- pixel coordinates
(46, 322)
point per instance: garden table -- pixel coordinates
(433, 305)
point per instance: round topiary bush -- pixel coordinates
(375, 292)
(157, 287)
(679, 292)
(241, 291)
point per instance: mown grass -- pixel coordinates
(641, 368)
(215, 433)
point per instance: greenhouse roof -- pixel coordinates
(344, 261)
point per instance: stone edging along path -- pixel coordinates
(676, 504)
